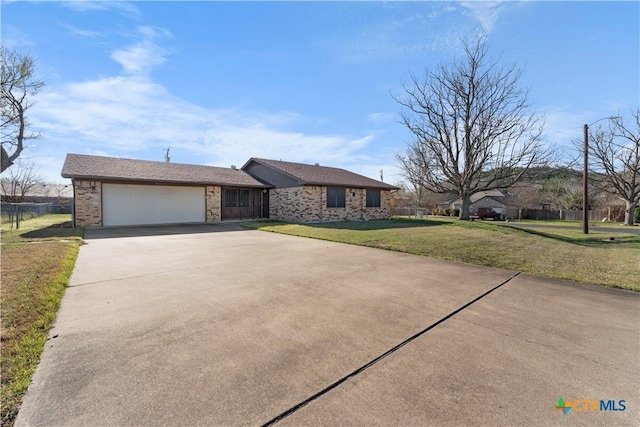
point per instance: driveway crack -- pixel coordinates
(118, 279)
(372, 362)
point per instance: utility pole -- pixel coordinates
(585, 183)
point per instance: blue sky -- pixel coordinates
(220, 82)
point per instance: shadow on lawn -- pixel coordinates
(593, 241)
(381, 224)
(60, 231)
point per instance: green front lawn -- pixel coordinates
(37, 261)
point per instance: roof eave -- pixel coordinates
(372, 187)
(164, 181)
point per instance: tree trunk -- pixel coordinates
(6, 161)
(629, 212)
(464, 207)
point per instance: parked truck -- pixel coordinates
(484, 213)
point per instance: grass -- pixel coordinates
(577, 224)
(549, 252)
(37, 261)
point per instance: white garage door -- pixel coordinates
(131, 204)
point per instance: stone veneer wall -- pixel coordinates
(214, 203)
(309, 204)
(88, 203)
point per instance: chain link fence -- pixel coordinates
(14, 213)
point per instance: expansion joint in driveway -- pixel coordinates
(372, 362)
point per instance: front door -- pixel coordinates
(243, 203)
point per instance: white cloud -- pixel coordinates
(80, 32)
(124, 112)
(132, 116)
(235, 144)
(405, 32)
(141, 57)
(14, 38)
(124, 8)
(485, 12)
(153, 33)
(382, 117)
(145, 55)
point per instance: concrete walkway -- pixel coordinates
(215, 325)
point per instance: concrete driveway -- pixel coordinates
(215, 325)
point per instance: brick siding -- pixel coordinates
(293, 204)
(88, 203)
(309, 204)
(287, 204)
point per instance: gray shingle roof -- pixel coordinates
(321, 175)
(119, 169)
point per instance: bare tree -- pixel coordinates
(614, 152)
(526, 195)
(554, 192)
(20, 181)
(18, 89)
(472, 126)
(562, 192)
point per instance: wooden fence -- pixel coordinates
(613, 214)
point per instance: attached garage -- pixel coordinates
(135, 204)
(110, 191)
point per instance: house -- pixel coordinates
(112, 191)
(495, 199)
(35, 199)
(36, 193)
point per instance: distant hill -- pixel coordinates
(541, 174)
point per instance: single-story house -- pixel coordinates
(35, 199)
(495, 199)
(35, 193)
(112, 191)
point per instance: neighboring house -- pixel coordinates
(495, 199)
(114, 191)
(35, 199)
(36, 193)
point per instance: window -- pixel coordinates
(373, 198)
(231, 198)
(243, 198)
(336, 197)
(236, 198)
